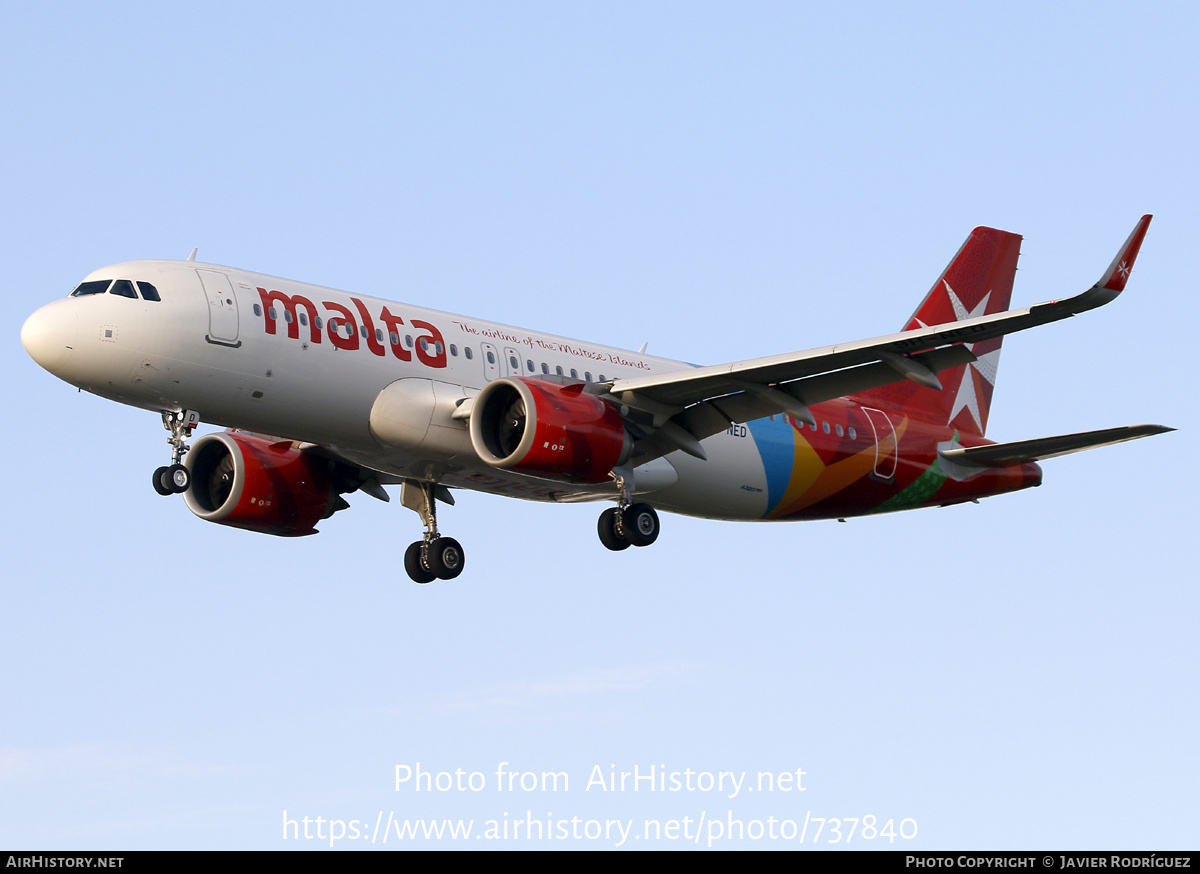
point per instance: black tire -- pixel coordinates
(413, 564)
(641, 524)
(607, 529)
(179, 478)
(162, 483)
(445, 558)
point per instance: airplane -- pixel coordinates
(324, 393)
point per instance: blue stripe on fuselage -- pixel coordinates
(776, 443)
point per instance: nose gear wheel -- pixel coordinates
(175, 479)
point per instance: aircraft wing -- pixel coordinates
(686, 406)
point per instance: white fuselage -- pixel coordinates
(208, 345)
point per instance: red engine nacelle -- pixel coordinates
(543, 428)
(258, 484)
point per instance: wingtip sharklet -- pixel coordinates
(1112, 283)
(1117, 275)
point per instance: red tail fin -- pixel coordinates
(977, 282)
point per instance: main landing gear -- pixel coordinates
(636, 525)
(176, 478)
(434, 557)
(627, 524)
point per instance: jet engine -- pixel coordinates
(259, 484)
(542, 428)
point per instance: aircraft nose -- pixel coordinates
(50, 334)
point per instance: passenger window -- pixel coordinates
(453, 350)
(379, 335)
(317, 322)
(96, 286)
(839, 430)
(513, 363)
(529, 365)
(303, 318)
(545, 367)
(853, 435)
(287, 316)
(149, 292)
(469, 352)
(408, 340)
(491, 358)
(587, 376)
(395, 338)
(558, 370)
(574, 375)
(257, 310)
(825, 427)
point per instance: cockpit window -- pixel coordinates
(149, 292)
(96, 286)
(124, 288)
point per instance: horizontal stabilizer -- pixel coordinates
(1021, 451)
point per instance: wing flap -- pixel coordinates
(717, 414)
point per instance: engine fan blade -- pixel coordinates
(220, 482)
(511, 427)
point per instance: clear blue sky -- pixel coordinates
(723, 181)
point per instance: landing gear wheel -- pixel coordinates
(415, 566)
(162, 482)
(607, 529)
(178, 478)
(640, 524)
(445, 558)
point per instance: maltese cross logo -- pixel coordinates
(965, 397)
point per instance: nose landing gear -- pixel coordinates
(174, 479)
(435, 557)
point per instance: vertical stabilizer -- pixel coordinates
(977, 282)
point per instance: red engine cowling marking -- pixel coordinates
(254, 483)
(543, 428)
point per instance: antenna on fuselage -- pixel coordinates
(192, 257)
(643, 349)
